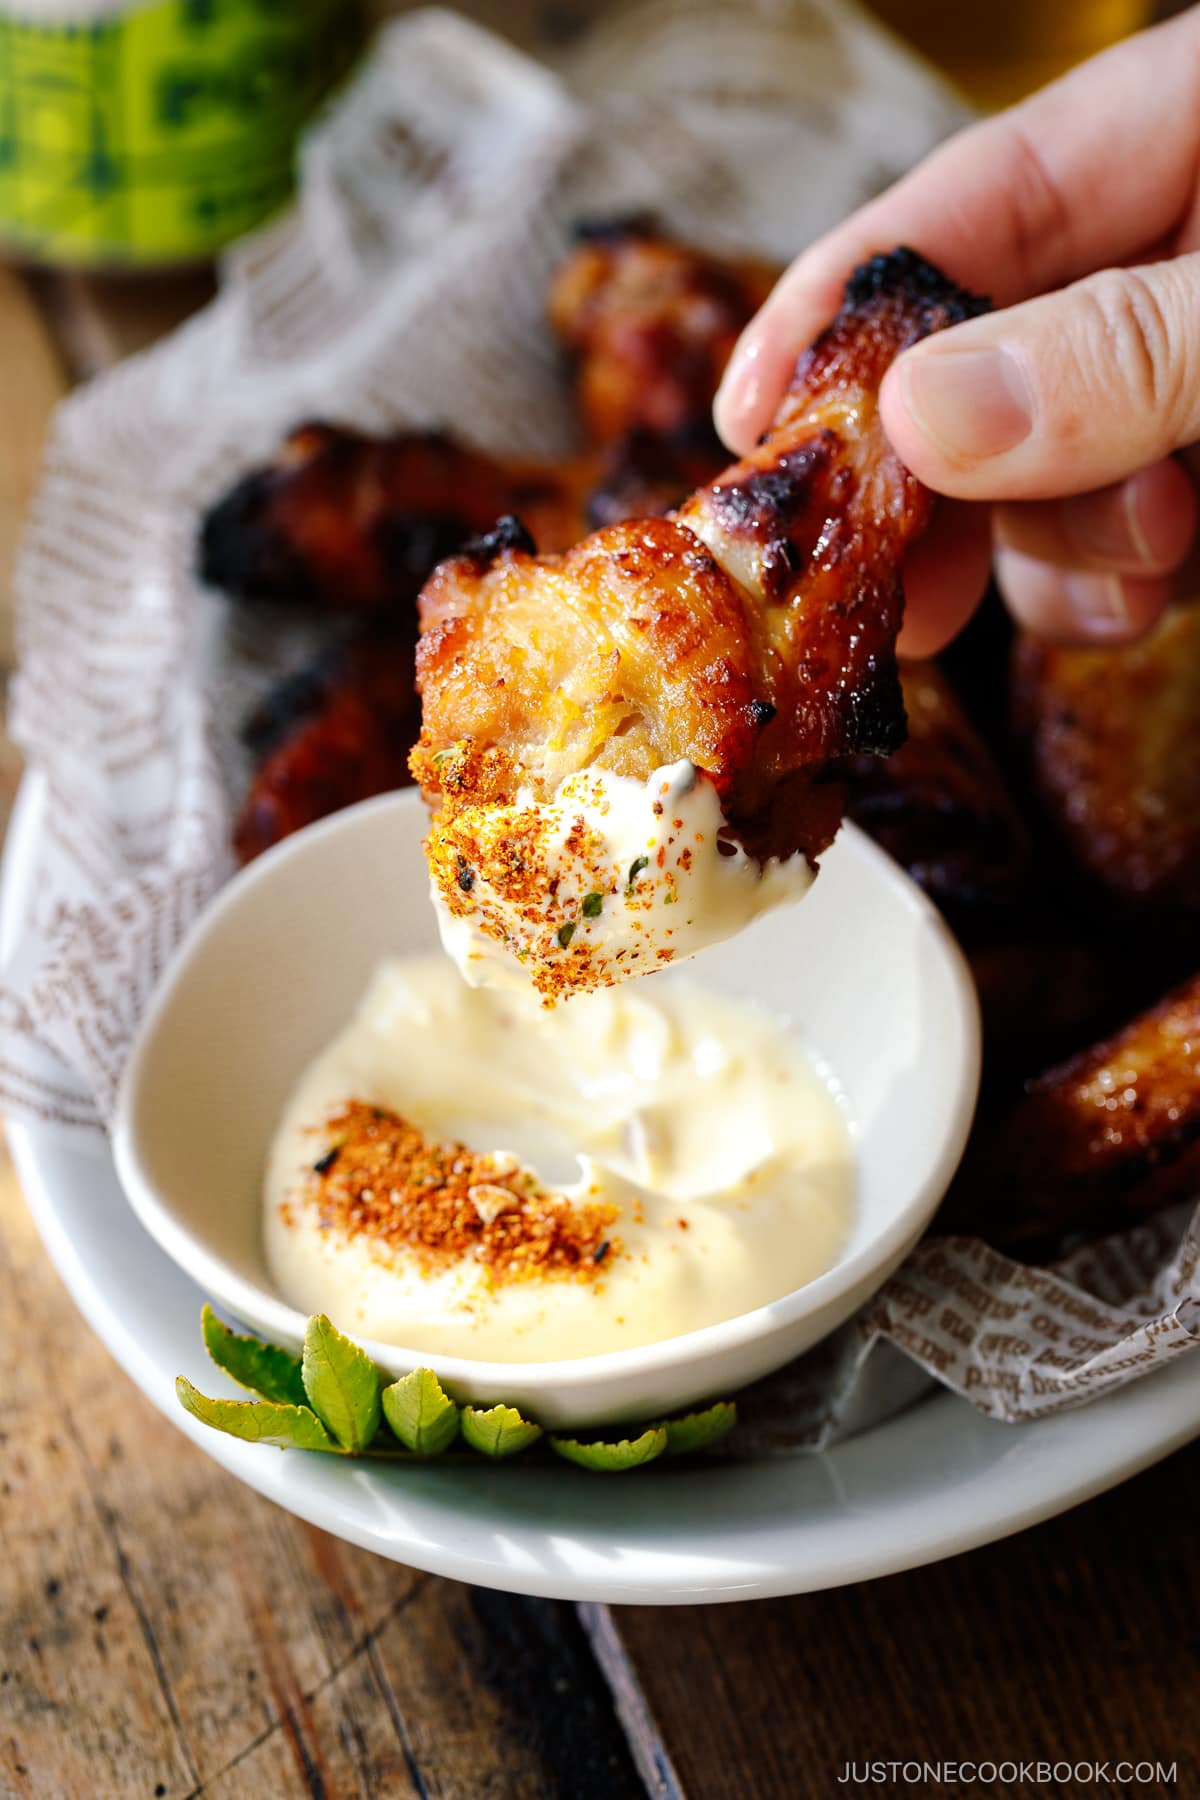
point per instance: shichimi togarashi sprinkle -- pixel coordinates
(440, 1201)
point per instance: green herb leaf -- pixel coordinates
(696, 1431)
(257, 1421)
(610, 1459)
(592, 905)
(342, 1384)
(500, 1431)
(421, 1414)
(635, 868)
(265, 1369)
(565, 933)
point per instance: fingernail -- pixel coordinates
(972, 403)
(1152, 513)
(740, 390)
(1097, 602)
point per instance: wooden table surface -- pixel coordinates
(164, 1631)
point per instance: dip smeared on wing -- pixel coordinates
(731, 653)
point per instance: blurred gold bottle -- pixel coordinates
(997, 51)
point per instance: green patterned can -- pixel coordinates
(135, 135)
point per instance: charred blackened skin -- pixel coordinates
(771, 500)
(293, 699)
(905, 272)
(333, 733)
(508, 533)
(761, 713)
(236, 552)
(612, 230)
(880, 722)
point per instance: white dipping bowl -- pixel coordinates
(864, 966)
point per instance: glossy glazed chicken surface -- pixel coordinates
(750, 635)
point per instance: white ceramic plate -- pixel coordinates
(937, 1480)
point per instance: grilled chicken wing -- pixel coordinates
(1100, 1140)
(940, 806)
(652, 324)
(642, 722)
(1115, 741)
(354, 524)
(335, 733)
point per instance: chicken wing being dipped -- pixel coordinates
(627, 748)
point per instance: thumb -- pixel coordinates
(1056, 396)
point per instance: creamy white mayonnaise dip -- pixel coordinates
(720, 1144)
(632, 875)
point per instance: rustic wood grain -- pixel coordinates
(98, 319)
(1072, 1643)
(164, 1630)
(33, 381)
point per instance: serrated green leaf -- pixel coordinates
(265, 1369)
(610, 1459)
(500, 1431)
(257, 1421)
(341, 1382)
(696, 1431)
(421, 1413)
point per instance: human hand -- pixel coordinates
(1053, 423)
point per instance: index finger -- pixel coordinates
(1097, 168)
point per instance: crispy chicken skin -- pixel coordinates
(652, 324)
(940, 805)
(1099, 1140)
(752, 634)
(1114, 737)
(354, 524)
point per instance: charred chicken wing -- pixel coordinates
(940, 806)
(627, 748)
(652, 324)
(1101, 1140)
(1115, 741)
(335, 733)
(354, 523)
